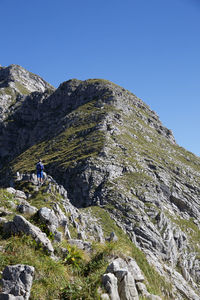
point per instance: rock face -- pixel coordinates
(17, 282)
(107, 148)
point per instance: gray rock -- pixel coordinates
(112, 237)
(26, 209)
(67, 233)
(141, 287)
(53, 217)
(58, 237)
(20, 195)
(105, 297)
(48, 216)
(21, 225)
(126, 287)
(16, 282)
(10, 297)
(17, 194)
(3, 220)
(129, 265)
(81, 244)
(99, 232)
(110, 283)
(153, 297)
(11, 190)
(134, 269)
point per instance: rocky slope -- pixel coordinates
(109, 150)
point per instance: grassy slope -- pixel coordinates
(81, 140)
(63, 279)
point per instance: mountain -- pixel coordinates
(112, 155)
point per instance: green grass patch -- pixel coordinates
(21, 88)
(6, 199)
(50, 276)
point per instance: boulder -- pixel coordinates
(113, 237)
(11, 190)
(16, 282)
(53, 217)
(21, 225)
(3, 220)
(27, 209)
(47, 216)
(20, 195)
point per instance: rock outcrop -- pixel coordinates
(124, 280)
(21, 225)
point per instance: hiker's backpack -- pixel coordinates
(39, 167)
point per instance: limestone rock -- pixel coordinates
(112, 237)
(105, 297)
(21, 225)
(27, 209)
(126, 286)
(141, 287)
(16, 282)
(129, 265)
(53, 217)
(110, 284)
(17, 194)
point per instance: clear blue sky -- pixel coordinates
(151, 47)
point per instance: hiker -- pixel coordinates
(39, 169)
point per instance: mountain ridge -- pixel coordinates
(110, 150)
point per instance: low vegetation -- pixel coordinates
(77, 274)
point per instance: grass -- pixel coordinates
(76, 143)
(75, 275)
(50, 276)
(6, 199)
(156, 284)
(22, 89)
(8, 91)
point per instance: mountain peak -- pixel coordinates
(21, 80)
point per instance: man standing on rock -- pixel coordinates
(39, 169)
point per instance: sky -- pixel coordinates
(150, 47)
